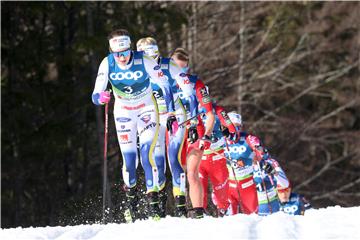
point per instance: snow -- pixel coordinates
(326, 223)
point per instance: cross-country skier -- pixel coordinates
(242, 152)
(254, 164)
(213, 164)
(198, 135)
(290, 202)
(296, 205)
(135, 111)
(180, 85)
(270, 179)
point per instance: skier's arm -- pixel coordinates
(254, 143)
(183, 82)
(227, 127)
(101, 82)
(157, 76)
(280, 176)
(205, 102)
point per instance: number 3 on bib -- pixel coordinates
(128, 89)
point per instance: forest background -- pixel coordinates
(290, 68)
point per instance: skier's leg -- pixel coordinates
(195, 189)
(148, 127)
(248, 195)
(204, 176)
(175, 146)
(159, 154)
(160, 159)
(125, 123)
(233, 197)
(219, 177)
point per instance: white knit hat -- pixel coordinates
(235, 118)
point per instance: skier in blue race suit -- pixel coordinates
(198, 134)
(181, 89)
(130, 74)
(290, 202)
(297, 205)
(268, 183)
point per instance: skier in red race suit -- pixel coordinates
(198, 135)
(213, 164)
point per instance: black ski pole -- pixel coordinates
(187, 120)
(105, 163)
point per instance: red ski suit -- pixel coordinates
(213, 164)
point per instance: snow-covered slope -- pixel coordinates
(329, 223)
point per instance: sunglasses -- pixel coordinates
(122, 53)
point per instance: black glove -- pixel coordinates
(192, 134)
(268, 168)
(230, 136)
(225, 131)
(233, 163)
(169, 122)
(205, 142)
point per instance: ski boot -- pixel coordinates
(131, 204)
(221, 212)
(162, 203)
(180, 206)
(196, 213)
(154, 208)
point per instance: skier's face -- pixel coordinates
(182, 64)
(122, 57)
(151, 50)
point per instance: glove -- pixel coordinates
(236, 163)
(205, 142)
(172, 124)
(266, 154)
(193, 134)
(225, 131)
(230, 136)
(104, 97)
(233, 162)
(268, 168)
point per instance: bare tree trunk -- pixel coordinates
(194, 33)
(358, 47)
(241, 55)
(169, 41)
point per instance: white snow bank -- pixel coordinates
(329, 223)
